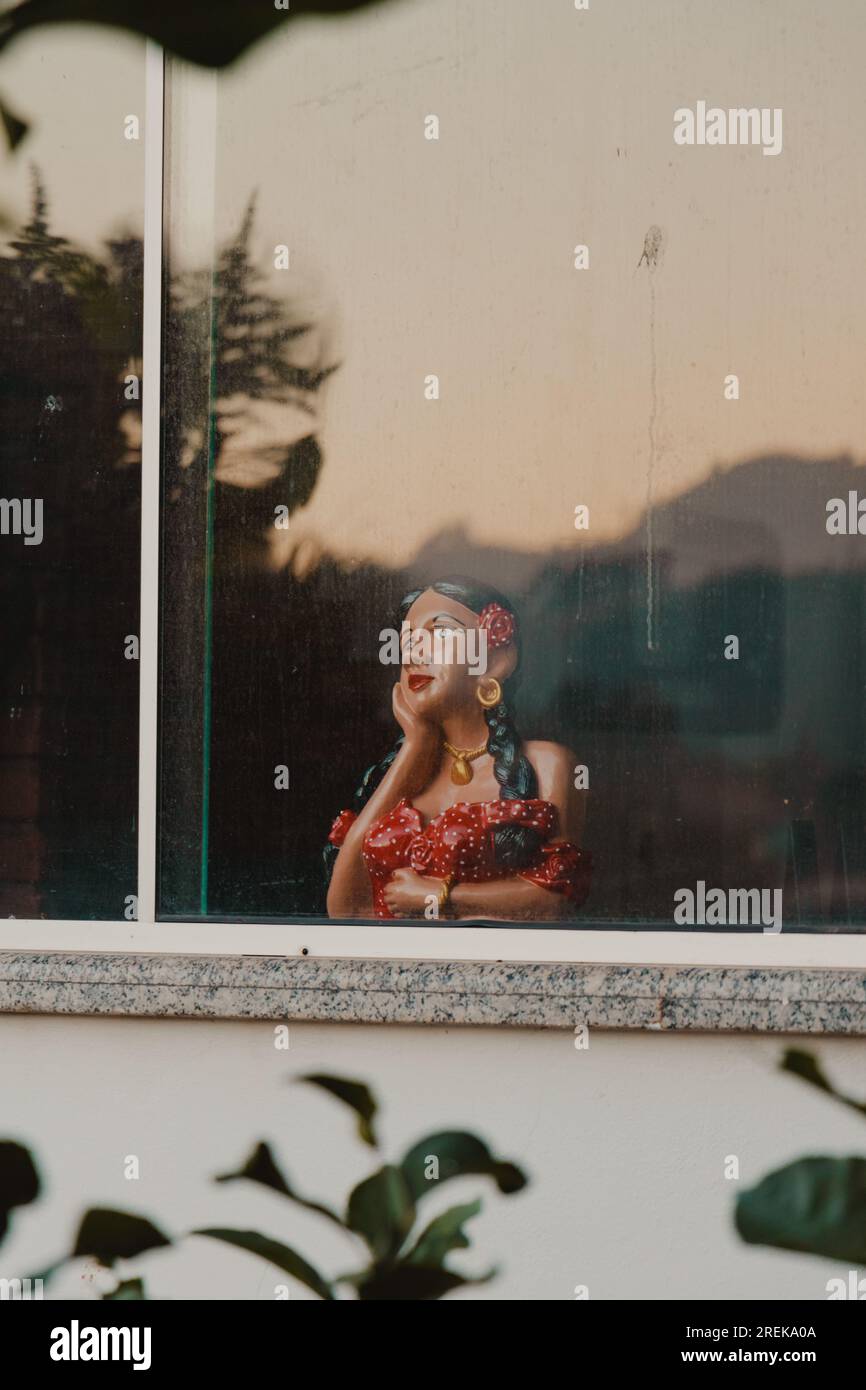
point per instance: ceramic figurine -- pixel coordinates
(461, 819)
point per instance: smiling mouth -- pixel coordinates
(417, 683)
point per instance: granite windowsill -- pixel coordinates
(657, 998)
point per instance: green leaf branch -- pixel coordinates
(817, 1204)
(405, 1259)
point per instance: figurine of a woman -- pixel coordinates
(461, 819)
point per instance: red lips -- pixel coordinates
(418, 682)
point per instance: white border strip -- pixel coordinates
(541, 944)
(150, 446)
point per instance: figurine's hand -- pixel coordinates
(407, 893)
(420, 734)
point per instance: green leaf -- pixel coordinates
(354, 1094)
(381, 1210)
(260, 1167)
(807, 1067)
(444, 1234)
(129, 1289)
(13, 127)
(816, 1205)
(115, 1235)
(210, 32)
(19, 1180)
(402, 1283)
(275, 1252)
(457, 1155)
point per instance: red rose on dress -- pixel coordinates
(341, 826)
(498, 623)
(559, 865)
(421, 854)
(563, 869)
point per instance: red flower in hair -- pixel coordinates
(498, 623)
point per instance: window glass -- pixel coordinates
(71, 199)
(453, 292)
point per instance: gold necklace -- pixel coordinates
(461, 772)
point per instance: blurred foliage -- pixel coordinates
(14, 128)
(19, 1181)
(211, 33)
(70, 431)
(241, 421)
(405, 1261)
(815, 1205)
(240, 346)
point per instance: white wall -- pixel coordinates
(625, 1144)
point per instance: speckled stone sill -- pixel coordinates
(665, 999)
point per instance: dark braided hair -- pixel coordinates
(515, 846)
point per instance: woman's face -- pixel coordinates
(436, 682)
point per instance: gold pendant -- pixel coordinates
(461, 772)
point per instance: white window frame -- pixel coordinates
(453, 943)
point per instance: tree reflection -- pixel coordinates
(69, 435)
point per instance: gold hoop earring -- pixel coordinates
(493, 695)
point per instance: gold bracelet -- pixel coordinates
(444, 893)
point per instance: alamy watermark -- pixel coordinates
(77, 1343)
(20, 1290)
(846, 517)
(854, 1288)
(22, 516)
(738, 125)
(732, 907)
(443, 646)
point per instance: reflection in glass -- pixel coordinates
(442, 392)
(70, 368)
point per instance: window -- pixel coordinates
(70, 514)
(456, 347)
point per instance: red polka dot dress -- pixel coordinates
(459, 842)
